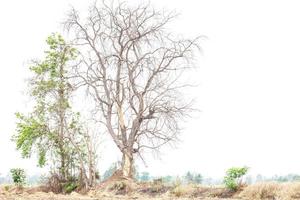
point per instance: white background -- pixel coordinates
(248, 92)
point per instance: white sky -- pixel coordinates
(249, 91)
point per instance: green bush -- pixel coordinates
(230, 183)
(70, 187)
(233, 178)
(18, 176)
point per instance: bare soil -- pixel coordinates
(118, 188)
(24, 195)
(125, 190)
(47, 196)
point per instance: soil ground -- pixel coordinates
(47, 196)
(114, 192)
(124, 190)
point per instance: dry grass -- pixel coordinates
(157, 191)
(290, 191)
(114, 191)
(183, 190)
(261, 191)
(271, 190)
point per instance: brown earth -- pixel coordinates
(47, 196)
(125, 190)
(118, 190)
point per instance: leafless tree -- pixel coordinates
(131, 66)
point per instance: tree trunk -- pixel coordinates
(127, 165)
(83, 177)
(63, 174)
(91, 169)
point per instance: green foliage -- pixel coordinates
(30, 132)
(38, 132)
(46, 131)
(230, 183)
(198, 178)
(233, 178)
(69, 187)
(237, 172)
(18, 176)
(285, 178)
(6, 187)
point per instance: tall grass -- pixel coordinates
(272, 190)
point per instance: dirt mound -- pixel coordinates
(114, 185)
(33, 190)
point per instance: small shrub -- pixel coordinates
(119, 186)
(177, 182)
(70, 187)
(18, 176)
(157, 186)
(177, 190)
(233, 178)
(158, 181)
(230, 183)
(6, 187)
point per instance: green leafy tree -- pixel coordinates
(192, 178)
(44, 129)
(18, 176)
(52, 130)
(233, 178)
(198, 178)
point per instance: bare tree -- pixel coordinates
(131, 66)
